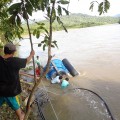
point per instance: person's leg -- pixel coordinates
(1, 101)
(13, 102)
(20, 114)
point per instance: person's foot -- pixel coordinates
(22, 116)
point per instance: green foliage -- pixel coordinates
(15, 9)
(45, 43)
(4, 3)
(106, 5)
(63, 2)
(12, 26)
(119, 21)
(40, 28)
(102, 7)
(25, 9)
(81, 20)
(76, 21)
(53, 15)
(10, 23)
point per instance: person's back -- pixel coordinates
(65, 83)
(9, 78)
(9, 75)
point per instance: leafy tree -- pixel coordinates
(3, 15)
(7, 31)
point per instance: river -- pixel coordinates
(94, 51)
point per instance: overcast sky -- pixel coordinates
(82, 6)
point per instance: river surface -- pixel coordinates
(94, 51)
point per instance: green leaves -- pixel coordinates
(102, 7)
(15, 20)
(66, 11)
(91, 6)
(64, 2)
(55, 43)
(25, 8)
(107, 5)
(14, 9)
(46, 42)
(61, 23)
(48, 11)
(39, 29)
(29, 8)
(59, 10)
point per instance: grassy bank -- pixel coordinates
(76, 21)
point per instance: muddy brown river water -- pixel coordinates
(94, 51)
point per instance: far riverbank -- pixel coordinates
(75, 21)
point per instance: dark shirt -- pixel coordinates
(9, 76)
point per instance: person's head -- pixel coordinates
(60, 77)
(37, 57)
(9, 48)
(67, 79)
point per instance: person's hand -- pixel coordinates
(32, 53)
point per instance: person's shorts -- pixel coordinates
(13, 102)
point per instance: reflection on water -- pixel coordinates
(96, 51)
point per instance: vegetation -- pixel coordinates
(119, 21)
(76, 21)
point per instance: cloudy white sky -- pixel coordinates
(82, 6)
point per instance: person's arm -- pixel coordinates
(32, 53)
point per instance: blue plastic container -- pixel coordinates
(56, 66)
